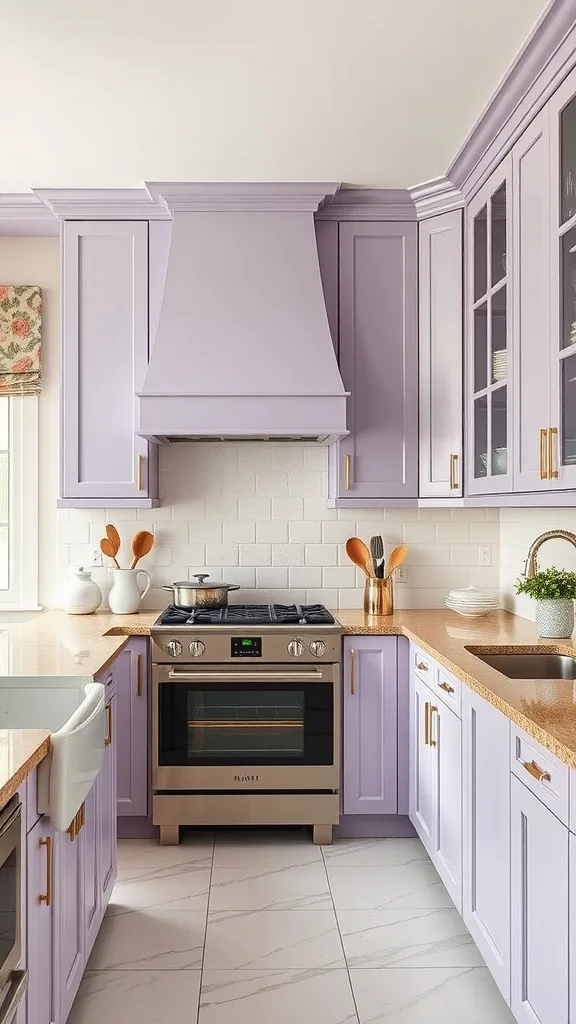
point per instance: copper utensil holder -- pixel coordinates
(378, 596)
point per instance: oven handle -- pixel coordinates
(7, 819)
(18, 986)
(233, 677)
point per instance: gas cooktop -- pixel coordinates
(239, 615)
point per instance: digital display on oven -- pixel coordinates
(246, 647)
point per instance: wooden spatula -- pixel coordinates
(141, 545)
(396, 558)
(114, 538)
(107, 548)
(359, 554)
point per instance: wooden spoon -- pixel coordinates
(107, 548)
(359, 554)
(396, 558)
(114, 538)
(141, 545)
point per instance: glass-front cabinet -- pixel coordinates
(488, 228)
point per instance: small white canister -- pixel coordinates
(82, 595)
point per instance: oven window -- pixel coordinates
(253, 724)
(8, 903)
(248, 723)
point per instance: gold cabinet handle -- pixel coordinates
(139, 472)
(552, 434)
(433, 709)
(352, 671)
(446, 687)
(427, 723)
(453, 472)
(543, 454)
(537, 773)
(422, 666)
(138, 675)
(46, 897)
(347, 471)
(108, 739)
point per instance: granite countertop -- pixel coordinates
(21, 751)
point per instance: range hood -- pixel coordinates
(242, 348)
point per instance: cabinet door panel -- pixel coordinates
(370, 725)
(422, 779)
(69, 901)
(441, 344)
(40, 924)
(446, 734)
(131, 713)
(91, 839)
(104, 358)
(486, 833)
(379, 359)
(539, 911)
(108, 797)
(531, 260)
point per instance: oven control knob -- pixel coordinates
(317, 648)
(174, 648)
(295, 648)
(196, 648)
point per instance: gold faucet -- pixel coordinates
(531, 564)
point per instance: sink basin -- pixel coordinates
(74, 712)
(531, 666)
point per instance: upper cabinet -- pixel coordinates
(104, 359)
(440, 332)
(378, 354)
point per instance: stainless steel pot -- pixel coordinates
(201, 594)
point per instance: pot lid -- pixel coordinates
(198, 582)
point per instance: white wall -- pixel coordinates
(518, 528)
(37, 261)
(255, 514)
(375, 92)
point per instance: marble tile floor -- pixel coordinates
(258, 926)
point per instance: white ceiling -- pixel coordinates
(368, 92)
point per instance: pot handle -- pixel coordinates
(165, 587)
(142, 572)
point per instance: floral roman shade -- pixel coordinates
(20, 339)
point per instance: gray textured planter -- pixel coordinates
(555, 617)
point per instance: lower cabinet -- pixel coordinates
(68, 887)
(107, 812)
(370, 710)
(41, 906)
(486, 833)
(131, 723)
(539, 909)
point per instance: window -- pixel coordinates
(18, 503)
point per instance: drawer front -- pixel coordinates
(449, 690)
(541, 771)
(423, 665)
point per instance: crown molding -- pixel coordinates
(235, 197)
(436, 196)
(101, 203)
(370, 204)
(22, 215)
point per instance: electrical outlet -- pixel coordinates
(97, 557)
(484, 554)
(401, 574)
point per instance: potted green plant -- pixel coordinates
(554, 591)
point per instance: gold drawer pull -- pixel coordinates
(433, 709)
(108, 739)
(543, 456)
(347, 470)
(422, 666)
(446, 687)
(47, 896)
(139, 472)
(453, 472)
(552, 434)
(536, 772)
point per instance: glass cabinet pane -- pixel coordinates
(480, 347)
(568, 161)
(480, 254)
(499, 369)
(568, 286)
(498, 231)
(499, 455)
(481, 436)
(568, 440)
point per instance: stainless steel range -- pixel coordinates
(246, 718)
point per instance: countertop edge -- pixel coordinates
(11, 787)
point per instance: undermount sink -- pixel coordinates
(530, 666)
(73, 710)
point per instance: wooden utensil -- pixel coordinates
(396, 558)
(359, 554)
(142, 543)
(107, 548)
(377, 551)
(114, 538)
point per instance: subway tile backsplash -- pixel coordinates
(518, 528)
(255, 514)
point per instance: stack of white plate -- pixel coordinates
(472, 602)
(500, 364)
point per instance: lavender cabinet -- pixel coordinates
(370, 773)
(539, 908)
(441, 344)
(131, 714)
(104, 358)
(486, 833)
(108, 835)
(378, 354)
(90, 838)
(69, 936)
(422, 795)
(40, 924)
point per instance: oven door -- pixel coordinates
(12, 982)
(240, 727)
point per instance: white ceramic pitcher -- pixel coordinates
(125, 596)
